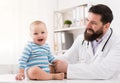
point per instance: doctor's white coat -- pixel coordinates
(84, 65)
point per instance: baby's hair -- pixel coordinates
(37, 22)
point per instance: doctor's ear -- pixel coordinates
(107, 25)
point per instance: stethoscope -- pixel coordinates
(105, 42)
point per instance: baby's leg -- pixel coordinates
(36, 73)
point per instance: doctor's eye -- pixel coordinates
(93, 23)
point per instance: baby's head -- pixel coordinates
(38, 32)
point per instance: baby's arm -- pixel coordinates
(23, 61)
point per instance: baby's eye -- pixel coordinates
(42, 32)
(35, 33)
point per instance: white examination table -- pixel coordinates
(10, 78)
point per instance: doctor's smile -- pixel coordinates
(91, 35)
(89, 31)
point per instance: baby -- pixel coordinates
(36, 57)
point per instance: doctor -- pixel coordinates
(96, 54)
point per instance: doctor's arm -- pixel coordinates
(107, 68)
(72, 54)
(70, 57)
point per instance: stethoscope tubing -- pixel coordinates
(105, 42)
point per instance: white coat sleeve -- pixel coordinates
(72, 55)
(106, 69)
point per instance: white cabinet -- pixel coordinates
(65, 36)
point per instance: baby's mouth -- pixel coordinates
(40, 40)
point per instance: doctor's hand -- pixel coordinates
(60, 66)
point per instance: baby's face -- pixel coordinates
(39, 34)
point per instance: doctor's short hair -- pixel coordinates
(104, 11)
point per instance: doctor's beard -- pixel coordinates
(93, 35)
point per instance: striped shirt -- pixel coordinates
(36, 55)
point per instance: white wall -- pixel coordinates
(8, 31)
(114, 5)
(62, 4)
(15, 17)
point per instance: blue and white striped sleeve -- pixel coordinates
(25, 56)
(51, 58)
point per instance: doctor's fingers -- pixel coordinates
(57, 69)
(55, 63)
(56, 66)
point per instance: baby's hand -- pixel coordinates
(20, 76)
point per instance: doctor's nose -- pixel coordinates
(88, 25)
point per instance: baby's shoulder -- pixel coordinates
(46, 45)
(29, 44)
